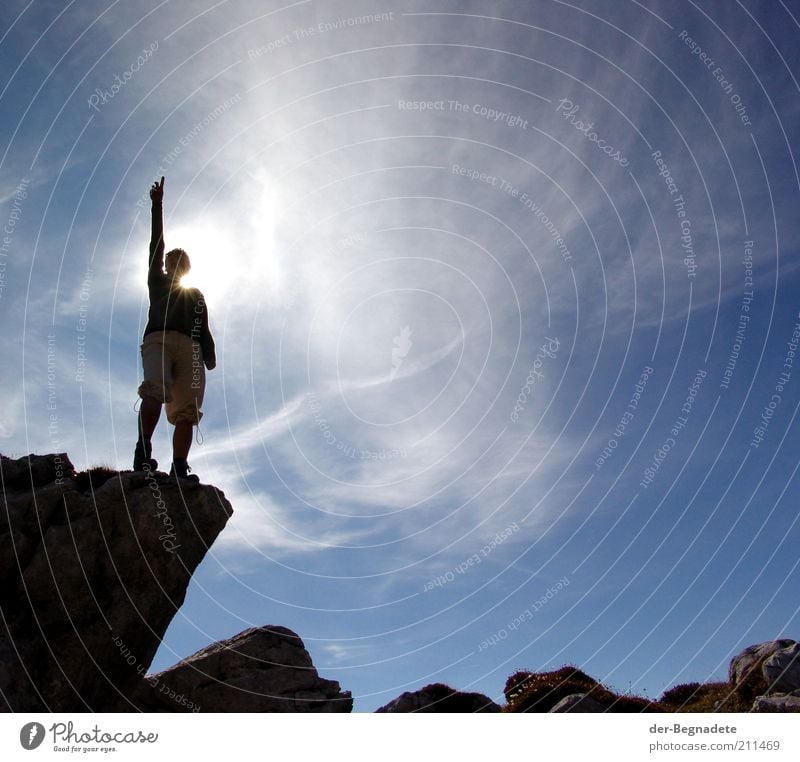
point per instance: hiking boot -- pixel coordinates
(141, 457)
(181, 469)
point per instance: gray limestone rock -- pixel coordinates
(94, 568)
(781, 669)
(578, 702)
(777, 703)
(765, 668)
(263, 669)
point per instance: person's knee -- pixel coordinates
(189, 416)
(154, 390)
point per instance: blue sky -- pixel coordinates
(502, 295)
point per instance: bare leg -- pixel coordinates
(149, 414)
(181, 440)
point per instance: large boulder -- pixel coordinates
(440, 698)
(766, 668)
(781, 669)
(263, 669)
(94, 567)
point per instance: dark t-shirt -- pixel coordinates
(172, 307)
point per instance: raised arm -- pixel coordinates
(156, 261)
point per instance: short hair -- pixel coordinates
(182, 261)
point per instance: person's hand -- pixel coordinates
(157, 192)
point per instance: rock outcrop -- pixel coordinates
(781, 669)
(780, 703)
(768, 674)
(568, 690)
(440, 698)
(263, 669)
(94, 567)
(578, 702)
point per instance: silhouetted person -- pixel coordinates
(177, 345)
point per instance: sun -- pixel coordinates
(234, 259)
(215, 266)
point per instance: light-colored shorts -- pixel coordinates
(174, 374)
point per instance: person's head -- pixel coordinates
(177, 263)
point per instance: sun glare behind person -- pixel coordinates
(214, 267)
